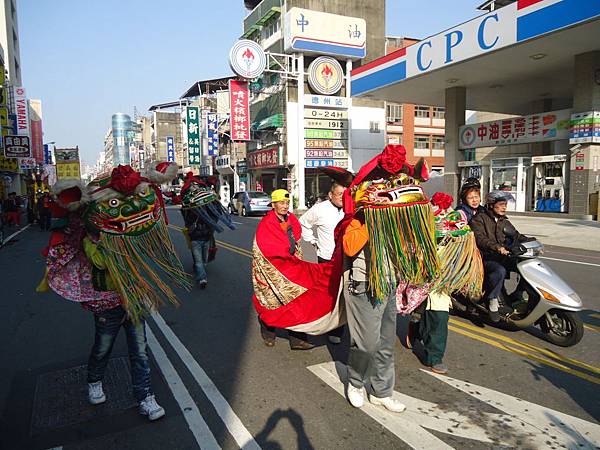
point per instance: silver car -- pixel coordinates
(250, 202)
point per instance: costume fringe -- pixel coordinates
(402, 245)
(462, 267)
(135, 264)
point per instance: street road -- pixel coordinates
(221, 387)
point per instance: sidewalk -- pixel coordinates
(570, 233)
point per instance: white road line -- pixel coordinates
(233, 423)
(569, 261)
(238, 223)
(191, 413)
(16, 233)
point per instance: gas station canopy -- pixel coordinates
(505, 59)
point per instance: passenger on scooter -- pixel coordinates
(495, 236)
(470, 199)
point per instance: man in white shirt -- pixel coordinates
(324, 216)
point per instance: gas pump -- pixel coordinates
(549, 183)
(475, 169)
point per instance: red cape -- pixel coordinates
(321, 281)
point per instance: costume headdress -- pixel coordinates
(399, 220)
(461, 264)
(200, 199)
(126, 212)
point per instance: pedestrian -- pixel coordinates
(387, 240)
(202, 212)
(325, 216)
(284, 231)
(44, 211)
(12, 209)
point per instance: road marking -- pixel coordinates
(237, 223)
(591, 327)
(520, 425)
(191, 413)
(16, 233)
(570, 261)
(496, 344)
(233, 423)
(543, 351)
(175, 227)
(595, 316)
(526, 354)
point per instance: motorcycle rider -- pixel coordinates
(495, 236)
(470, 198)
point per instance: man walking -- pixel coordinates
(325, 216)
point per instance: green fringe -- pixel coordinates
(402, 245)
(132, 262)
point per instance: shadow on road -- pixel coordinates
(295, 420)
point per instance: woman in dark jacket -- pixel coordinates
(470, 198)
(495, 235)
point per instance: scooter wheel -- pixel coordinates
(565, 330)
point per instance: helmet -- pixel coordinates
(469, 183)
(498, 196)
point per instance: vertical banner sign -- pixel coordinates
(240, 110)
(22, 111)
(212, 124)
(36, 140)
(170, 149)
(192, 120)
(47, 156)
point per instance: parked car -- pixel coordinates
(250, 202)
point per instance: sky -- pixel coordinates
(87, 60)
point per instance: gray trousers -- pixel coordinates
(372, 342)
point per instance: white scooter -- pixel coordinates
(551, 303)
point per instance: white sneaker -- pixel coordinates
(96, 393)
(388, 403)
(149, 407)
(356, 396)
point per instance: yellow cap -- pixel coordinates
(279, 195)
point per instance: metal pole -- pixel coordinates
(349, 100)
(300, 125)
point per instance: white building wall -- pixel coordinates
(9, 40)
(365, 142)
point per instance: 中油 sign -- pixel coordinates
(325, 75)
(310, 133)
(542, 127)
(17, 147)
(327, 101)
(325, 143)
(585, 128)
(247, 59)
(322, 33)
(319, 153)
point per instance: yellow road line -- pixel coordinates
(507, 348)
(175, 227)
(531, 347)
(483, 339)
(595, 316)
(591, 327)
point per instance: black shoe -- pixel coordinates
(494, 316)
(202, 284)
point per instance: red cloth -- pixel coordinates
(322, 281)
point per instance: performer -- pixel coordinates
(108, 252)
(388, 238)
(289, 292)
(202, 212)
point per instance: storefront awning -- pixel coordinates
(274, 121)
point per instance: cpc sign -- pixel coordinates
(473, 38)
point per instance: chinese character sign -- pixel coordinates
(192, 122)
(547, 126)
(170, 149)
(240, 110)
(212, 125)
(17, 147)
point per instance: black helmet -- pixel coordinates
(498, 196)
(469, 183)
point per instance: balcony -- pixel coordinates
(259, 15)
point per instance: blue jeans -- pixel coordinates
(200, 255)
(108, 323)
(494, 275)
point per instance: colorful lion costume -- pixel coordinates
(120, 218)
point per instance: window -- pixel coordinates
(394, 112)
(374, 127)
(437, 142)
(439, 113)
(271, 28)
(421, 141)
(394, 138)
(422, 111)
